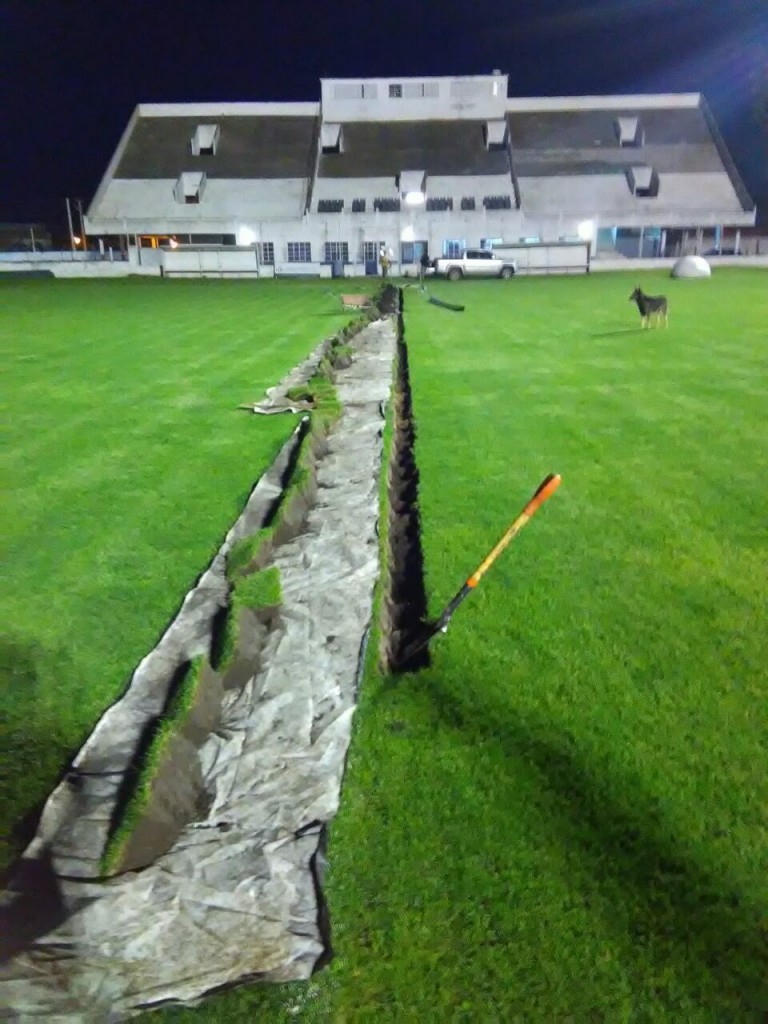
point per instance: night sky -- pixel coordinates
(71, 71)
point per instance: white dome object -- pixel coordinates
(691, 266)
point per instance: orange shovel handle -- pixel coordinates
(545, 490)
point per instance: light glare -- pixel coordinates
(245, 236)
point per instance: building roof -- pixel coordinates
(672, 159)
(584, 142)
(384, 148)
(577, 129)
(248, 147)
(582, 195)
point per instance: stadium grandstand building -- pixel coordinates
(408, 163)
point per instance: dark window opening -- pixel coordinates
(439, 204)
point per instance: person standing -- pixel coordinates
(424, 264)
(384, 261)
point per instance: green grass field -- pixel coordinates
(124, 464)
(563, 819)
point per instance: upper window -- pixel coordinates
(414, 90)
(331, 138)
(629, 131)
(495, 133)
(643, 182)
(205, 140)
(497, 202)
(469, 89)
(348, 91)
(189, 187)
(387, 205)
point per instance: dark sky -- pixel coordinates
(71, 71)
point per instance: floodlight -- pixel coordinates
(414, 198)
(245, 236)
(586, 230)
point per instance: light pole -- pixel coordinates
(71, 229)
(82, 224)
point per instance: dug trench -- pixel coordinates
(231, 883)
(404, 602)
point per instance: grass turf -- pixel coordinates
(564, 818)
(125, 462)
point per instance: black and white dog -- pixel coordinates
(650, 305)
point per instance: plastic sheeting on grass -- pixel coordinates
(235, 898)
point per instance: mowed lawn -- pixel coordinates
(563, 819)
(125, 461)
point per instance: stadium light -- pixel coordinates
(245, 236)
(173, 243)
(76, 239)
(414, 198)
(586, 230)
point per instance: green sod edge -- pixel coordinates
(260, 589)
(252, 587)
(168, 725)
(375, 658)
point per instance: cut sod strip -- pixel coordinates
(237, 895)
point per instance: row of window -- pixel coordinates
(396, 90)
(410, 252)
(338, 252)
(643, 183)
(205, 140)
(433, 204)
(461, 89)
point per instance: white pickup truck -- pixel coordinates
(474, 263)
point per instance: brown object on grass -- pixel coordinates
(355, 301)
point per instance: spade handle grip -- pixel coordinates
(546, 489)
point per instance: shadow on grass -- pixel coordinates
(32, 904)
(620, 332)
(33, 746)
(685, 916)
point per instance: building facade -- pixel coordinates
(406, 164)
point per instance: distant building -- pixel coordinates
(24, 238)
(414, 162)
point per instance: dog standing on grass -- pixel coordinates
(650, 305)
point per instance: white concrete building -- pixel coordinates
(413, 162)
